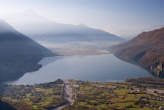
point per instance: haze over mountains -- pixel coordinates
(67, 32)
(40, 28)
(147, 50)
(19, 54)
(63, 38)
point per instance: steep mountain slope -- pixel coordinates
(147, 50)
(18, 53)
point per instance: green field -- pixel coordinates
(87, 96)
(114, 96)
(34, 97)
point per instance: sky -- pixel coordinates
(125, 18)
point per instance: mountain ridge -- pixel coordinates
(146, 50)
(69, 32)
(38, 27)
(19, 54)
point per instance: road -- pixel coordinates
(68, 96)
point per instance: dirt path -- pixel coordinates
(68, 96)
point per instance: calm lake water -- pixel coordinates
(92, 68)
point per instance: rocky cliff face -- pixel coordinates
(158, 69)
(147, 50)
(18, 53)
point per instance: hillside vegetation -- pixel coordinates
(147, 50)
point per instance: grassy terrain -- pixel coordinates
(115, 96)
(136, 94)
(34, 97)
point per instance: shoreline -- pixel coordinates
(69, 90)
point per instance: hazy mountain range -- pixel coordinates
(42, 29)
(147, 50)
(66, 33)
(18, 53)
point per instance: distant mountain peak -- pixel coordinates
(82, 25)
(5, 27)
(38, 26)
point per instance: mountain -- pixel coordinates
(40, 28)
(66, 32)
(80, 33)
(18, 53)
(147, 50)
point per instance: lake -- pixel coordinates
(93, 68)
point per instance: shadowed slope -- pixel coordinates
(18, 53)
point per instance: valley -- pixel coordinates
(81, 54)
(78, 51)
(86, 95)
